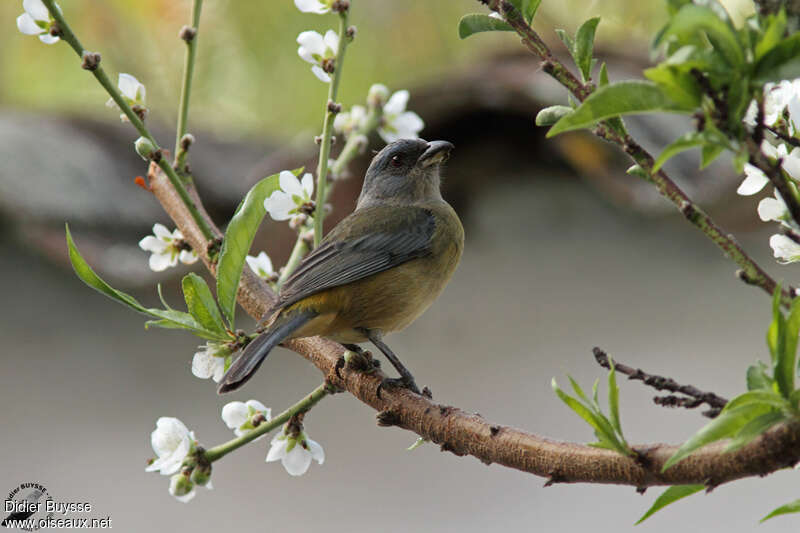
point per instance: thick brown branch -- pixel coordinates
(469, 434)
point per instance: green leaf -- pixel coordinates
(727, 424)
(709, 153)
(584, 46)
(763, 397)
(775, 333)
(757, 378)
(527, 8)
(685, 142)
(478, 22)
(676, 83)
(550, 115)
(167, 318)
(671, 495)
(584, 412)
(772, 34)
(785, 367)
(793, 507)
(567, 40)
(603, 76)
(613, 398)
(238, 239)
(201, 304)
(782, 62)
(621, 98)
(754, 428)
(692, 20)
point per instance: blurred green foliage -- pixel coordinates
(249, 79)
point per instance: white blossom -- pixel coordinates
(166, 248)
(777, 98)
(397, 123)
(754, 180)
(295, 453)
(211, 360)
(172, 442)
(319, 51)
(319, 7)
(287, 202)
(785, 249)
(133, 92)
(347, 122)
(239, 416)
(36, 21)
(262, 266)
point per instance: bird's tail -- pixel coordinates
(254, 354)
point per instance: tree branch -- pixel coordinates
(465, 433)
(751, 272)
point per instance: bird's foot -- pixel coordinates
(405, 382)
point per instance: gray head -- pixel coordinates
(405, 171)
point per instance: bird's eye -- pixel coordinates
(397, 161)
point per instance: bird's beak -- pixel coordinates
(437, 152)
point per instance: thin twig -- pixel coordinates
(696, 396)
(189, 36)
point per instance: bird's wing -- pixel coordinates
(367, 242)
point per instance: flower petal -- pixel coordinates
(331, 40)
(277, 449)
(161, 262)
(397, 103)
(152, 244)
(311, 43)
(771, 209)
(36, 9)
(297, 461)
(307, 185)
(161, 231)
(317, 453)
(278, 205)
(408, 125)
(784, 249)
(311, 6)
(754, 181)
(791, 163)
(320, 74)
(27, 25)
(290, 184)
(188, 257)
(46, 38)
(205, 365)
(128, 85)
(234, 414)
(259, 407)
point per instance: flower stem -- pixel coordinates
(304, 405)
(327, 129)
(67, 35)
(348, 153)
(186, 86)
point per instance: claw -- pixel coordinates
(398, 382)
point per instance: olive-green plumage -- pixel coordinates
(378, 269)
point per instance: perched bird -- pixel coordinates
(377, 270)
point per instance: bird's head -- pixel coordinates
(405, 171)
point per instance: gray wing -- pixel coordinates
(367, 242)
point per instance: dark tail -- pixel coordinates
(254, 354)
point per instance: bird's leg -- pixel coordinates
(406, 379)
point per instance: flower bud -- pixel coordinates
(144, 148)
(180, 485)
(378, 95)
(201, 475)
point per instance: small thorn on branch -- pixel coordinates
(695, 398)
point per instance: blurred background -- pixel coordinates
(564, 252)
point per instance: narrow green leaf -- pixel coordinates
(529, 9)
(88, 276)
(760, 396)
(786, 364)
(709, 153)
(671, 495)
(478, 22)
(567, 40)
(238, 239)
(582, 411)
(693, 19)
(793, 507)
(685, 142)
(613, 398)
(584, 46)
(727, 424)
(621, 98)
(754, 428)
(677, 84)
(782, 62)
(772, 34)
(201, 304)
(603, 76)
(550, 115)
(775, 332)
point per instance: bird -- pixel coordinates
(376, 271)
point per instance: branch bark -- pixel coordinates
(465, 433)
